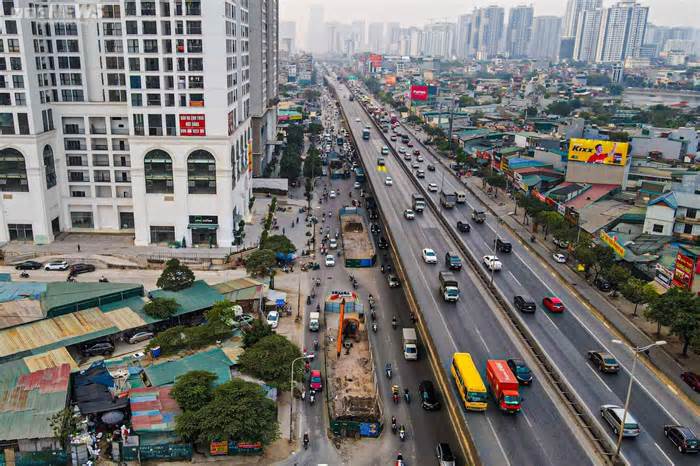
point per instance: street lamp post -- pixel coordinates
(636, 351)
(291, 392)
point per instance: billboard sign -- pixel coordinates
(192, 125)
(683, 273)
(598, 151)
(419, 92)
(612, 242)
(375, 60)
(390, 80)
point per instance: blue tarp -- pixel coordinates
(5, 277)
(12, 291)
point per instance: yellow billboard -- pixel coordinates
(598, 151)
(612, 242)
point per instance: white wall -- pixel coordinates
(659, 214)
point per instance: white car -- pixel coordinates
(420, 158)
(388, 181)
(330, 260)
(409, 214)
(432, 187)
(415, 165)
(357, 120)
(333, 243)
(429, 256)
(402, 150)
(492, 263)
(332, 194)
(273, 319)
(561, 258)
(357, 185)
(385, 150)
(56, 265)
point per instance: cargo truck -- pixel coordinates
(479, 216)
(410, 344)
(449, 288)
(314, 321)
(504, 386)
(448, 199)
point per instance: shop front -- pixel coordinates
(203, 230)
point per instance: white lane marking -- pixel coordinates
(598, 377)
(665, 455)
(498, 441)
(527, 419)
(516, 280)
(482, 340)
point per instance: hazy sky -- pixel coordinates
(419, 12)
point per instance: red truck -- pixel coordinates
(504, 385)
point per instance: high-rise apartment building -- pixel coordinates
(438, 40)
(587, 29)
(571, 16)
(622, 29)
(359, 36)
(544, 41)
(375, 37)
(134, 116)
(518, 31)
(288, 36)
(315, 36)
(463, 36)
(393, 37)
(487, 31)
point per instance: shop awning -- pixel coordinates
(203, 226)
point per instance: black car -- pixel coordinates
(503, 246)
(444, 455)
(605, 361)
(29, 265)
(602, 284)
(382, 243)
(463, 227)
(431, 167)
(79, 268)
(683, 438)
(428, 397)
(520, 370)
(102, 348)
(524, 304)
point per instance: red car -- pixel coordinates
(553, 304)
(416, 152)
(315, 381)
(410, 144)
(692, 379)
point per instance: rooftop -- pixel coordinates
(153, 410)
(198, 297)
(214, 360)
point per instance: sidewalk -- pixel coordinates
(615, 311)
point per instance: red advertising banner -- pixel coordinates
(683, 273)
(419, 92)
(192, 125)
(375, 59)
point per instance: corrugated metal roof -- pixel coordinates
(61, 297)
(153, 410)
(237, 285)
(198, 297)
(214, 360)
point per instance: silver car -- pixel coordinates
(140, 336)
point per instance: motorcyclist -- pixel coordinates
(402, 432)
(406, 395)
(393, 322)
(387, 370)
(306, 440)
(393, 424)
(374, 327)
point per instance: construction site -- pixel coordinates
(353, 403)
(357, 244)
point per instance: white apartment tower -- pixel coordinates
(133, 116)
(544, 42)
(587, 29)
(621, 34)
(375, 37)
(487, 31)
(573, 10)
(518, 31)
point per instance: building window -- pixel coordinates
(158, 171)
(126, 220)
(13, 172)
(691, 213)
(23, 123)
(658, 228)
(162, 234)
(20, 232)
(49, 167)
(201, 173)
(81, 220)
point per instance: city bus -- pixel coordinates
(469, 383)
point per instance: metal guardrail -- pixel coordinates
(565, 391)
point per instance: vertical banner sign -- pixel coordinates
(192, 125)
(419, 92)
(250, 155)
(683, 272)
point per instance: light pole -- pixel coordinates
(291, 392)
(636, 351)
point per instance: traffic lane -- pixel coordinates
(514, 429)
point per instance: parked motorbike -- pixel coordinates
(24, 275)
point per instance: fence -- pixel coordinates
(170, 451)
(37, 458)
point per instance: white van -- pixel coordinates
(461, 197)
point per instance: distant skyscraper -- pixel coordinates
(288, 36)
(393, 36)
(621, 34)
(438, 39)
(587, 30)
(487, 31)
(463, 36)
(358, 34)
(573, 9)
(375, 37)
(544, 41)
(315, 40)
(518, 31)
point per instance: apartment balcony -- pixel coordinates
(100, 161)
(684, 219)
(687, 237)
(78, 177)
(73, 129)
(75, 145)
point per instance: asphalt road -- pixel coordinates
(472, 325)
(566, 337)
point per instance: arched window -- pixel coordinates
(49, 167)
(158, 170)
(201, 173)
(13, 172)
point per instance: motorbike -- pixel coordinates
(70, 278)
(393, 425)
(312, 396)
(399, 460)
(395, 393)
(413, 317)
(308, 300)
(373, 314)
(306, 440)
(387, 370)
(318, 307)
(316, 344)
(354, 284)
(374, 327)
(406, 395)
(532, 238)
(402, 433)
(103, 280)
(24, 275)
(393, 322)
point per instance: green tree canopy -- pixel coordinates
(467, 101)
(270, 359)
(258, 330)
(278, 243)
(313, 165)
(638, 292)
(561, 108)
(260, 262)
(617, 275)
(684, 308)
(193, 390)
(175, 276)
(161, 308)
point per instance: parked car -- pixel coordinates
(29, 265)
(692, 379)
(553, 304)
(560, 258)
(56, 265)
(613, 414)
(683, 438)
(393, 281)
(524, 304)
(102, 348)
(316, 381)
(605, 361)
(273, 319)
(79, 268)
(140, 336)
(428, 396)
(561, 243)
(602, 284)
(522, 373)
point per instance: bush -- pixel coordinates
(175, 277)
(161, 308)
(270, 359)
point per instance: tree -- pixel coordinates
(684, 308)
(63, 425)
(615, 89)
(467, 101)
(561, 108)
(258, 330)
(161, 308)
(598, 80)
(193, 390)
(617, 276)
(314, 128)
(290, 166)
(260, 262)
(311, 94)
(270, 359)
(619, 136)
(278, 243)
(604, 258)
(496, 181)
(638, 292)
(238, 411)
(175, 276)
(313, 164)
(550, 219)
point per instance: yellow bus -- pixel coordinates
(469, 382)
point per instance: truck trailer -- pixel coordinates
(504, 385)
(410, 344)
(449, 288)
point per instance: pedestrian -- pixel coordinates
(78, 247)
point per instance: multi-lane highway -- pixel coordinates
(565, 338)
(472, 325)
